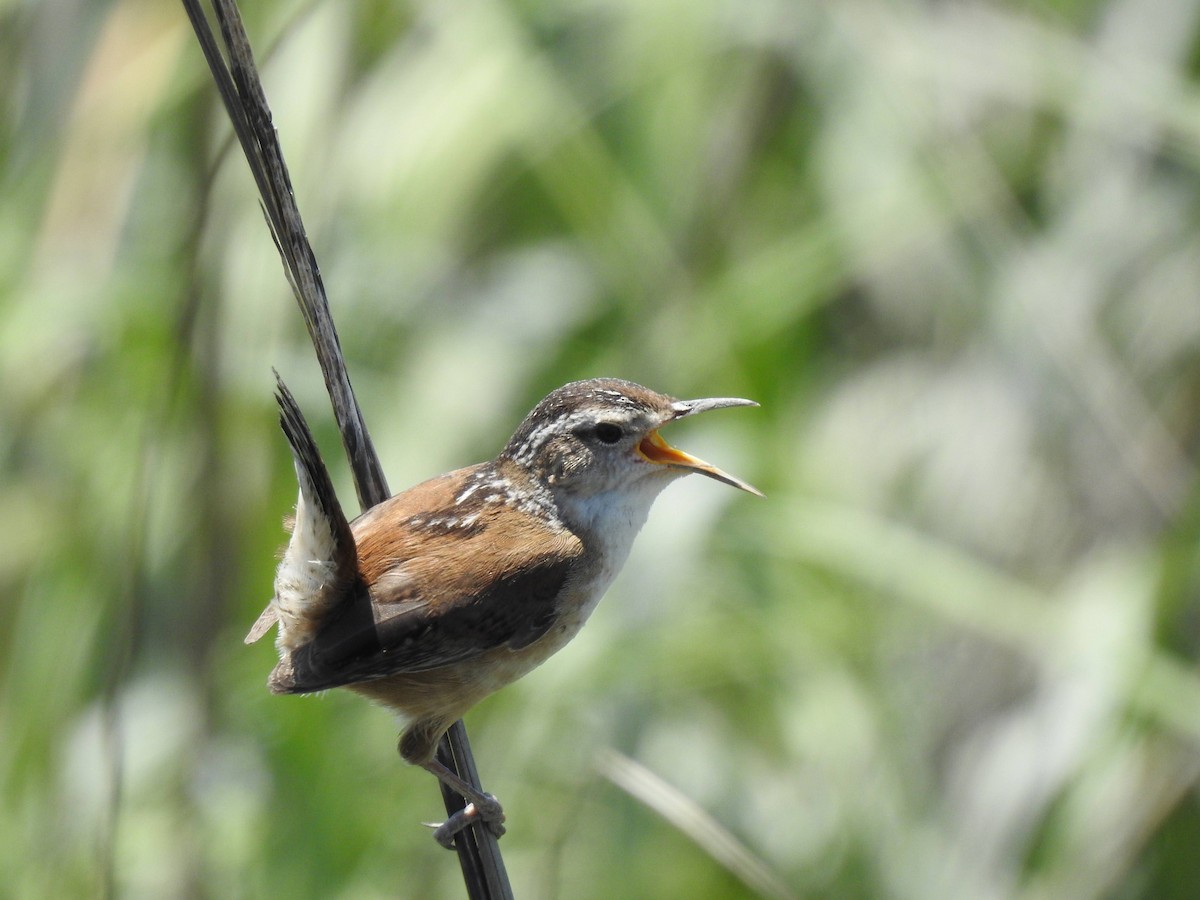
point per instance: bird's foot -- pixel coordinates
(486, 809)
(480, 807)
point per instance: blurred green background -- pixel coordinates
(954, 251)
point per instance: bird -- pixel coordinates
(446, 592)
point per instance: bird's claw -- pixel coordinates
(488, 811)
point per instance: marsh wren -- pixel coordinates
(448, 591)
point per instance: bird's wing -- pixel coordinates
(439, 586)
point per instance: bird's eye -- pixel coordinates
(608, 433)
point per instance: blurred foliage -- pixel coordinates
(953, 249)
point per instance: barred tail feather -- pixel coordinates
(320, 564)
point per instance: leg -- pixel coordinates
(480, 806)
(418, 746)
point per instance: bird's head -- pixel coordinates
(600, 436)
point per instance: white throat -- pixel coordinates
(610, 520)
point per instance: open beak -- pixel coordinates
(656, 450)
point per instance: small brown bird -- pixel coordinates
(448, 591)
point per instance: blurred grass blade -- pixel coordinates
(686, 815)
